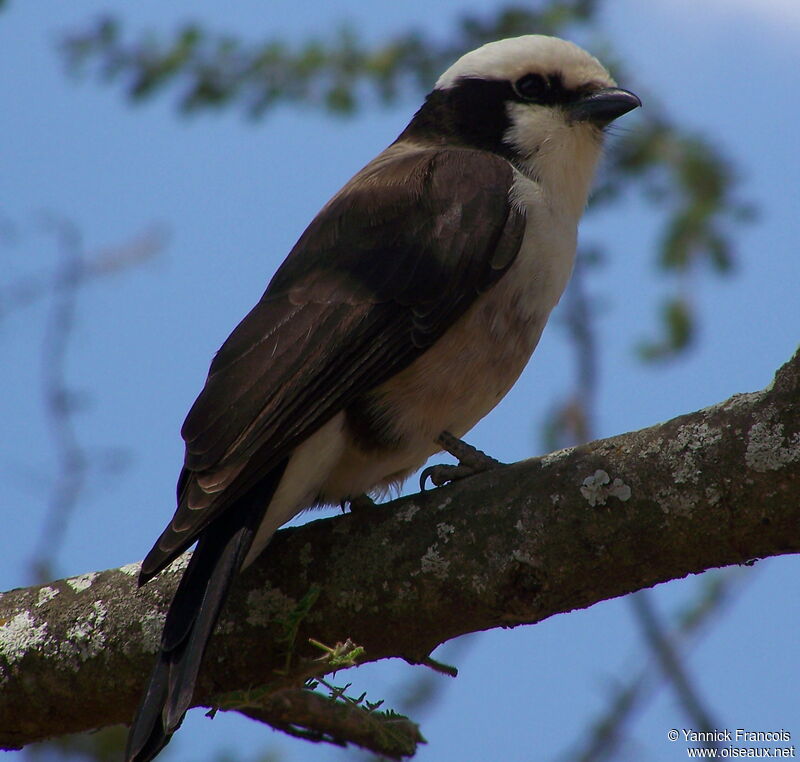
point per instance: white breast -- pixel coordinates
(543, 266)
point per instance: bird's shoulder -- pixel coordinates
(410, 200)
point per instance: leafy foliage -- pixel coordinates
(689, 179)
(341, 74)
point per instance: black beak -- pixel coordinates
(604, 106)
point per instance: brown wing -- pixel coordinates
(379, 275)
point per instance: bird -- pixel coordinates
(400, 318)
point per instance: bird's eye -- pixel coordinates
(532, 87)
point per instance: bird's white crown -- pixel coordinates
(512, 58)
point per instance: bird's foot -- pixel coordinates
(471, 461)
(358, 503)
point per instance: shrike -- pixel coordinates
(407, 309)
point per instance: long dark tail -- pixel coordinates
(190, 622)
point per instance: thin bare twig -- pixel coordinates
(606, 734)
(60, 402)
(671, 663)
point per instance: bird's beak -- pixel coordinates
(604, 106)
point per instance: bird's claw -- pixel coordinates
(443, 473)
(471, 461)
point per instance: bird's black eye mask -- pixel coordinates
(546, 90)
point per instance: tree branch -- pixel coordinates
(512, 546)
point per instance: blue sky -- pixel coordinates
(235, 195)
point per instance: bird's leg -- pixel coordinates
(470, 461)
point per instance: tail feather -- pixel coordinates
(190, 622)
(192, 649)
(147, 736)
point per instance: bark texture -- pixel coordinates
(513, 546)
